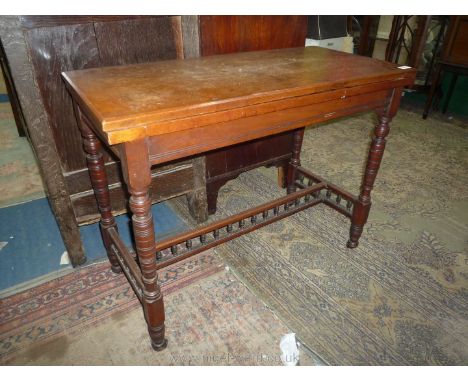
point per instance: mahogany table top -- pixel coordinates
(166, 96)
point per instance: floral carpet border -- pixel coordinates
(85, 297)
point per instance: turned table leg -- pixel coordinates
(97, 173)
(362, 207)
(137, 174)
(295, 162)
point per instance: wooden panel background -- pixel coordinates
(120, 42)
(54, 50)
(229, 34)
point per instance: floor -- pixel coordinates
(96, 319)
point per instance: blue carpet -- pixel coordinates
(31, 245)
(4, 98)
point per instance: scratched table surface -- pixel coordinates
(125, 96)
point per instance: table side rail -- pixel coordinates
(190, 243)
(309, 194)
(177, 145)
(195, 241)
(334, 194)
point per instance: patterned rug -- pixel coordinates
(401, 297)
(92, 317)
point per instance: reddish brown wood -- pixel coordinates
(318, 179)
(166, 147)
(311, 193)
(97, 173)
(362, 207)
(127, 262)
(145, 97)
(230, 34)
(193, 242)
(456, 46)
(138, 178)
(368, 35)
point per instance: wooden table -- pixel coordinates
(158, 112)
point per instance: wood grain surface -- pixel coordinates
(137, 99)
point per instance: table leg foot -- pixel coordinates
(355, 234)
(352, 244)
(158, 346)
(116, 269)
(154, 314)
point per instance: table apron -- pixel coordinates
(180, 144)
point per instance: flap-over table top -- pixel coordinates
(167, 96)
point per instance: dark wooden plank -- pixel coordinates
(62, 44)
(12, 94)
(456, 48)
(79, 181)
(40, 21)
(41, 136)
(54, 50)
(139, 40)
